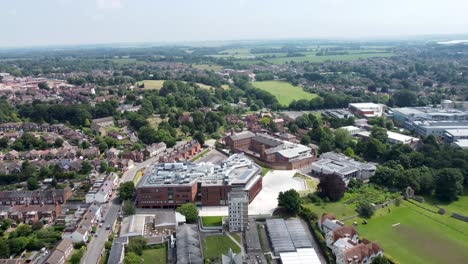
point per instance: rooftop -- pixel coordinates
(237, 169)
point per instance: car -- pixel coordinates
(100, 225)
(108, 227)
(95, 235)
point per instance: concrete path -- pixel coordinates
(237, 243)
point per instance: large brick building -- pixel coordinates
(168, 185)
(273, 152)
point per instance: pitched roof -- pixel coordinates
(361, 251)
(343, 231)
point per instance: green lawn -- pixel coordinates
(216, 245)
(200, 155)
(236, 236)
(212, 220)
(460, 206)
(284, 92)
(418, 235)
(154, 256)
(265, 171)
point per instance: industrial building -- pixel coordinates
(366, 109)
(273, 152)
(393, 138)
(344, 166)
(168, 185)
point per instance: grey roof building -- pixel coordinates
(117, 252)
(344, 166)
(188, 245)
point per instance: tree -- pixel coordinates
(33, 184)
(305, 140)
(366, 210)
(290, 200)
(331, 186)
(86, 168)
(380, 134)
(136, 245)
(380, 260)
(128, 208)
(76, 257)
(405, 98)
(190, 212)
(103, 166)
(349, 152)
(43, 85)
(126, 190)
(58, 142)
(4, 249)
(342, 138)
(132, 258)
(199, 137)
(448, 184)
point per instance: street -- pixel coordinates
(96, 246)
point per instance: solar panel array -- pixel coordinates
(287, 236)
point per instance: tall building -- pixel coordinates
(238, 210)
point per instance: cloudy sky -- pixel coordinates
(58, 22)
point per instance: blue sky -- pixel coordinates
(58, 22)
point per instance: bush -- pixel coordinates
(314, 198)
(79, 245)
(366, 210)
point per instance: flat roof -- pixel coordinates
(301, 256)
(287, 235)
(457, 132)
(236, 170)
(365, 105)
(461, 143)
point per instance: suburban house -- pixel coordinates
(154, 149)
(102, 189)
(61, 253)
(81, 231)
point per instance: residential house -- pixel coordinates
(11, 155)
(102, 189)
(154, 149)
(61, 253)
(35, 197)
(134, 155)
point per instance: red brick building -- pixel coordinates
(171, 184)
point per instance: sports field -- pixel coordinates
(284, 92)
(411, 234)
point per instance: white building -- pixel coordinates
(102, 189)
(366, 109)
(344, 166)
(393, 138)
(238, 205)
(352, 129)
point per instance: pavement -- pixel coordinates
(96, 246)
(213, 156)
(274, 182)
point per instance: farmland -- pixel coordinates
(284, 92)
(318, 59)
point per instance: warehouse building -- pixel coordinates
(366, 109)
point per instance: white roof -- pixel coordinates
(462, 143)
(457, 132)
(365, 105)
(301, 256)
(400, 137)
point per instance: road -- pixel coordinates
(111, 211)
(96, 246)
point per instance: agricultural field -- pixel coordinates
(311, 57)
(284, 92)
(216, 245)
(212, 221)
(210, 67)
(411, 234)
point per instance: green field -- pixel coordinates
(212, 221)
(158, 84)
(311, 184)
(418, 236)
(154, 256)
(318, 59)
(210, 67)
(216, 245)
(284, 92)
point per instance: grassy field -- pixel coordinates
(460, 206)
(311, 184)
(158, 84)
(212, 220)
(154, 256)
(284, 92)
(216, 245)
(208, 67)
(265, 171)
(413, 235)
(318, 59)
(201, 155)
(236, 236)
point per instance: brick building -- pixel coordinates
(273, 152)
(168, 185)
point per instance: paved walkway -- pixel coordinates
(237, 243)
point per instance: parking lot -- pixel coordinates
(213, 156)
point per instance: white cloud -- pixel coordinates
(109, 4)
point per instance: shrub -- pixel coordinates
(366, 210)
